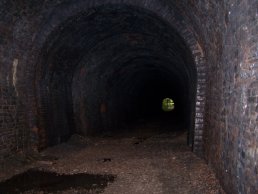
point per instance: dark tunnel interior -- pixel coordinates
(111, 66)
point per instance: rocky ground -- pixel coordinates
(144, 162)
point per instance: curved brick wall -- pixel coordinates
(217, 45)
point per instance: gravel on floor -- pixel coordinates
(158, 163)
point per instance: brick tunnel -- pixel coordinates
(96, 69)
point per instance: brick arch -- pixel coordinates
(59, 14)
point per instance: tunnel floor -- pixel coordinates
(146, 160)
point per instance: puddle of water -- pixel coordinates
(51, 182)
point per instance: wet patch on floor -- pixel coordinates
(51, 182)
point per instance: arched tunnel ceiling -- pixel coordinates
(113, 57)
(115, 26)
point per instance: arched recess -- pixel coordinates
(61, 19)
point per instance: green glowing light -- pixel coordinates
(168, 105)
